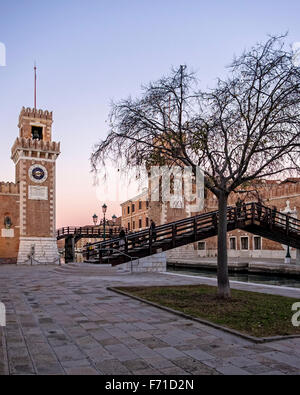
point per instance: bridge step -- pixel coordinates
(86, 269)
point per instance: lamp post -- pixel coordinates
(104, 208)
(288, 212)
(114, 218)
(95, 219)
(288, 255)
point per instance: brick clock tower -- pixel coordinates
(34, 154)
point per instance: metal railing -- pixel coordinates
(128, 256)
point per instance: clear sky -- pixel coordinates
(90, 52)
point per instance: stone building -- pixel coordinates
(27, 206)
(135, 212)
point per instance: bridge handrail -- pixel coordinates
(256, 210)
(83, 230)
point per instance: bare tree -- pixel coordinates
(247, 128)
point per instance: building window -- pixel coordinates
(133, 225)
(132, 208)
(244, 243)
(201, 245)
(257, 243)
(140, 205)
(128, 227)
(140, 223)
(147, 222)
(232, 243)
(128, 210)
(147, 203)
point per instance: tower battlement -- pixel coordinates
(35, 148)
(35, 113)
(9, 188)
(35, 124)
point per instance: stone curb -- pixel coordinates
(4, 348)
(202, 321)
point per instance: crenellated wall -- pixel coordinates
(35, 113)
(9, 188)
(9, 237)
(27, 144)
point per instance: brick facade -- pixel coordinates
(135, 212)
(30, 201)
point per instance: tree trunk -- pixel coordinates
(223, 280)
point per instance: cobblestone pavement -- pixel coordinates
(60, 323)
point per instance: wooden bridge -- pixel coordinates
(251, 217)
(73, 234)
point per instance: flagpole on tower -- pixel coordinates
(35, 85)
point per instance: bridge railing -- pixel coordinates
(147, 237)
(189, 227)
(86, 231)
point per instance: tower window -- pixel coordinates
(37, 132)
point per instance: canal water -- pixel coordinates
(243, 277)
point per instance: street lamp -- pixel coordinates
(288, 255)
(288, 211)
(114, 218)
(95, 219)
(104, 208)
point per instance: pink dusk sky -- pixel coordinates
(89, 53)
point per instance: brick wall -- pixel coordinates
(9, 238)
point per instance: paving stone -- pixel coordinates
(121, 352)
(86, 371)
(240, 362)
(258, 369)
(176, 371)
(169, 352)
(287, 359)
(193, 366)
(50, 369)
(112, 367)
(198, 354)
(136, 364)
(100, 334)
(67, 353)
(232, 370)
(58, 324)
(153, 342)
(98, 354)
(160, 362)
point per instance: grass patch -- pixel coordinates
(252, 313)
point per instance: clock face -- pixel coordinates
(38, 173)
